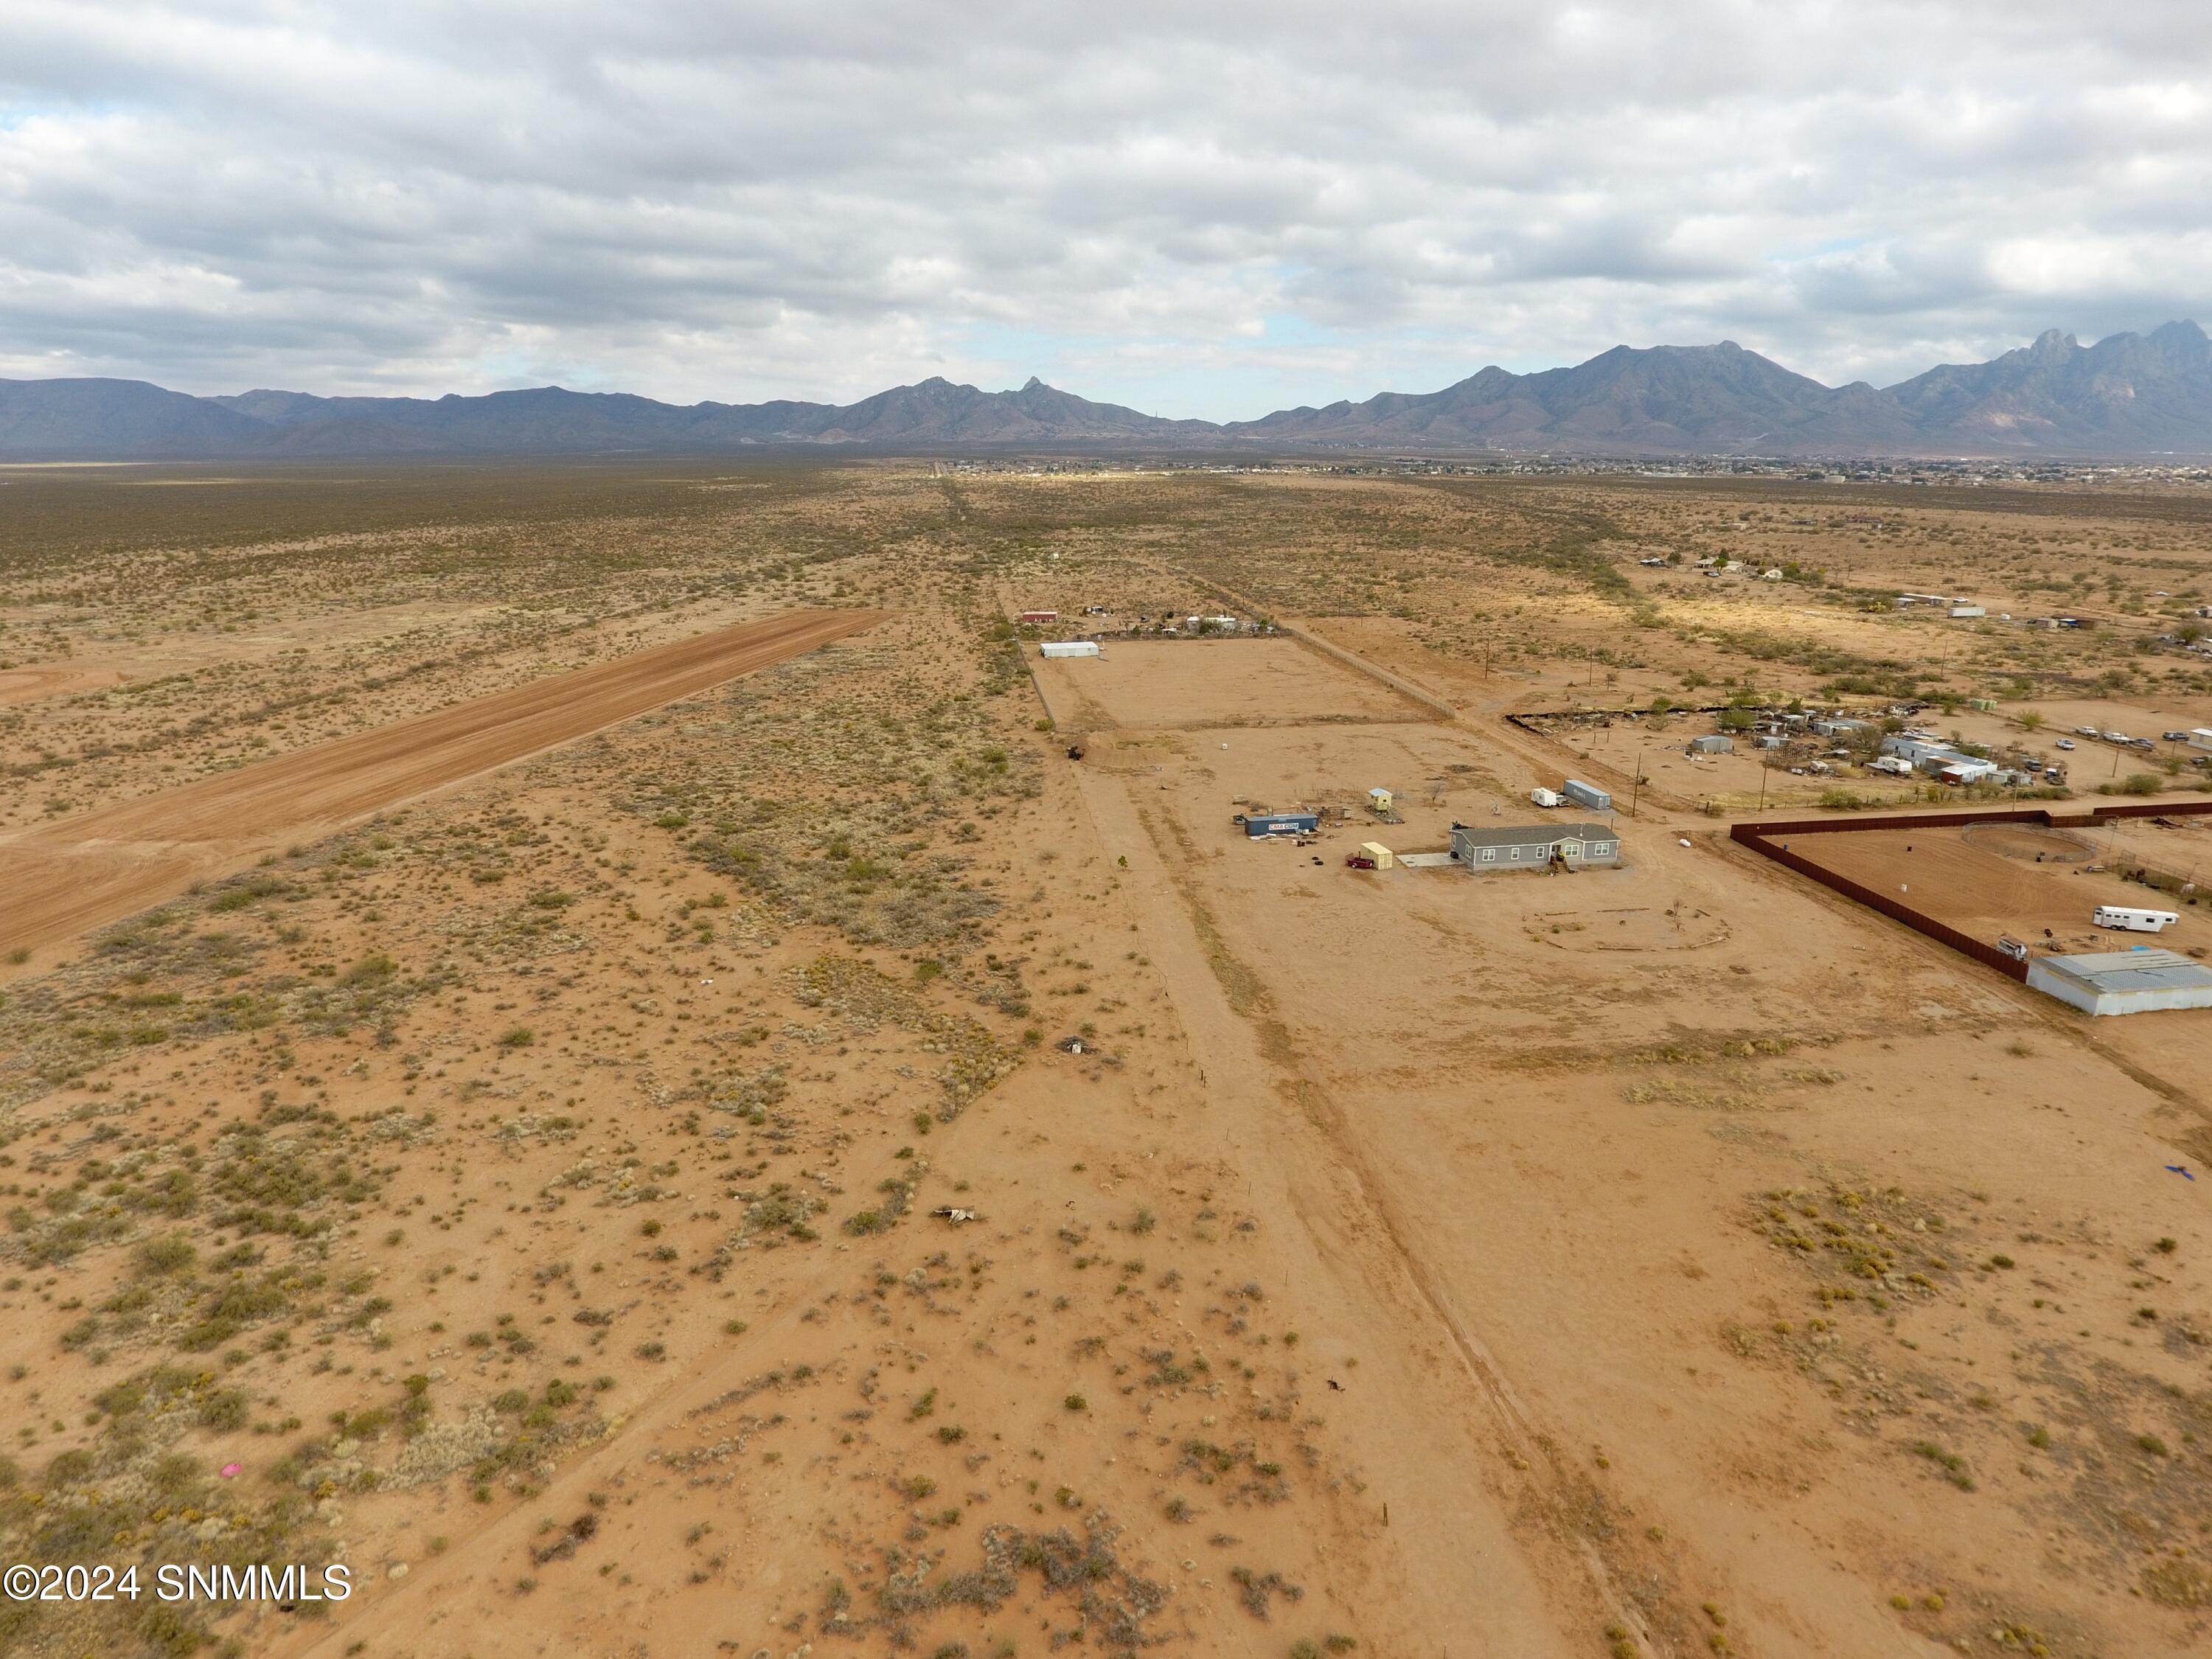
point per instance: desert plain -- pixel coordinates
(575, 1040)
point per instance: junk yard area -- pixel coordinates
(747, 1109)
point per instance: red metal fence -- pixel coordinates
(1764, 838)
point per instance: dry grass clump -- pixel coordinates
(240, 955)
(1873, 1244)
(970, 1058)
(849, 792)
(142, 1492)
(1110, 1602)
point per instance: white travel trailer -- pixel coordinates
(2132, 921)
(1546, 797)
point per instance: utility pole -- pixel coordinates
(1636, 787)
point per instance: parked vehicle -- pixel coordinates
(2065, 742)
(2086, 731)
(2175, 737)
(2114, 736)
(2128, 919)
(1357, 861)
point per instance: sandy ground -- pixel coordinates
(1965, 882)
(64, 877)
(1162, 684)
(1451, 1035)
(807, 1168)
(29, 684)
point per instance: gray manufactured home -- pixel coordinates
(1532, 846)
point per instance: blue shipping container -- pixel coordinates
(1583, 794)
(1282, 824)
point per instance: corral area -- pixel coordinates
(1989, 881)
(778, 1156)
(2038, 884)
(1196, 683)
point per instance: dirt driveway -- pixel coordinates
(59, 879)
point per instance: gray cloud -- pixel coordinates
(1198, 208)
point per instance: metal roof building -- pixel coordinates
(2124, 981)
(1530, 846)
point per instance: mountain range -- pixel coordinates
(2128, 395)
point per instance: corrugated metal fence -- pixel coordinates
(1765, 839)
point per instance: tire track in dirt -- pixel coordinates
(1528, 1447)
(1546, 1498)
(59, 880)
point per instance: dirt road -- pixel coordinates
(59, 879)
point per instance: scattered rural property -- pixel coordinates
(859, 1057)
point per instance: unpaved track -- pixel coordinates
(1469, 1534)
(60, 879)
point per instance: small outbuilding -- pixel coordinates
(1257, 825)
(1967, 769)
(1069, 648)
(1378, 800)
(1713, 742)
(2124, 981)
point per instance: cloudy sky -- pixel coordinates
(1197, 208)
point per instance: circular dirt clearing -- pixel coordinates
(2030, 842)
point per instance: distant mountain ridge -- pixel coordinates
(2128, 395)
